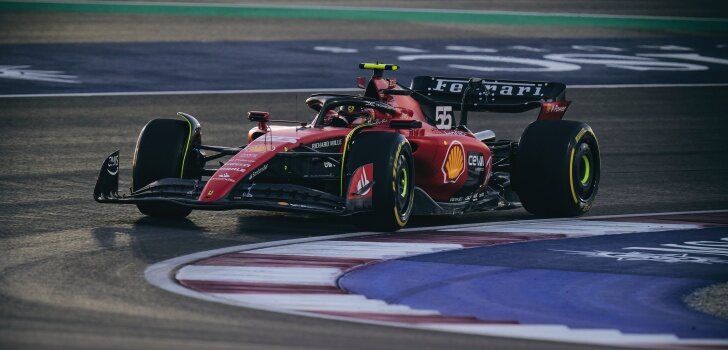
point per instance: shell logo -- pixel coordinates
(454, 164)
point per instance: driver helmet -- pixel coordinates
(352, 112)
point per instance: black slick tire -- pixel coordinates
(160, 151)
(557, 168)
(393, 188)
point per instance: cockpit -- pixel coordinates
(347, 111)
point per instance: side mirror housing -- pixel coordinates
(261, 117)
(258, 116)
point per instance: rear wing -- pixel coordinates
(503, 96)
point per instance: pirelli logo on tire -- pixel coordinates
(454, 164)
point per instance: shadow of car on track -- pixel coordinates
(153, 239)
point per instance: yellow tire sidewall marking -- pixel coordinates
(397, 217)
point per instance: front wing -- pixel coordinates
(186, 192)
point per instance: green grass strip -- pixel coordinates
(375, 14)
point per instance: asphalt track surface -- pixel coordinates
(71, 270)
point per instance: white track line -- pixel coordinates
(325, 302)
(579, 227)
(357, 250)
(316, 90)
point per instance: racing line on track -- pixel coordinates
(493, 279)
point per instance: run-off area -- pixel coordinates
(214, 66)
(603, 280)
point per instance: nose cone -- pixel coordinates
(247, 161)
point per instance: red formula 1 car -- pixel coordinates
(380, 157)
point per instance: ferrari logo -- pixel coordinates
(350, 109)
(454, 164)
(209, 193)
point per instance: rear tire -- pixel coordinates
(557, 168)
(160, 151)
(393, 188)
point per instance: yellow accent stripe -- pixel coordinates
(346, 149)
(187, 145)
(571, 175)
(378, 66)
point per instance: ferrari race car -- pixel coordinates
(380, 157)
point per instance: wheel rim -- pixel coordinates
(585, 171)
(402, 186)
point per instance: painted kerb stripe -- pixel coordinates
(344, 307)
(376, 14)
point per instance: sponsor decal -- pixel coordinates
(245, 154)
(222, 179)
(476, 160)
(362, 181)
(449, 85)
(642, 256)
(698, 252)
(493, 87)
(258, 148)
(283, 139)
(455, 132)
(556, 108)
(362, 186)
(454, 164)
(380, 105)
(247, 194)
(476, 178)
(226, 168)
(257, 172)
(232, 163)
(224, 176)
(210, 193)
(326, 143)
(112, 164)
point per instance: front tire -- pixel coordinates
(393, 188)
(160, 153)
(557, 168)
